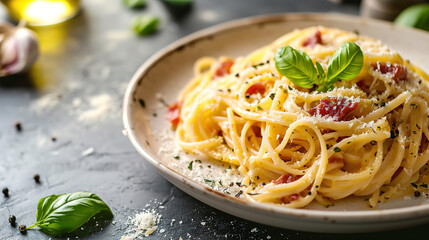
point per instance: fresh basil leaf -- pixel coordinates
(321, 73)
(64, 213)
(145, 25)
(134, 3)
(415, 16)
(345, 64)
(296, 65)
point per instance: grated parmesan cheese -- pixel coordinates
(145, 223)
(100, 106)
(87, 152)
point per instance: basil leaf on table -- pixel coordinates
(296, 65)
(145, 25)
(64, 213)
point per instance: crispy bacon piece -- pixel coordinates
(334, 159)
(223, 68)
(339, 139)
(337, 108)
(313, 40)
(173, 113)
(399, 72)
(286, 178)
(363, 86)
(397, 172)
(325, 131)
(256, 88)
(290, 198)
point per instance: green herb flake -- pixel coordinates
(134, 3)
(337, 149)
(414, 185)
(176, 157)
(190, 165)
(145, 25)
(253, 194)
(424, 185)
(272, 95)
(260, 108)
(209, 182)
(290, 88)
(64, 213)
(257, 65)
(161, 100)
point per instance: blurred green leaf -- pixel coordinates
(134, 3)
(145, 25)
(416, 16)
(178, 1)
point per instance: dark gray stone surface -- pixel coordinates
(96, 54)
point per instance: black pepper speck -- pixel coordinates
(18, 126)
(22, 228)
(36, 178)
(5, 192)
(12, 220)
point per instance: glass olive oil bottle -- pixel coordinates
(42, 12)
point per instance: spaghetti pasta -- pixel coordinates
(292, 145)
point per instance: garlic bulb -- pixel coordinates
(19, 49)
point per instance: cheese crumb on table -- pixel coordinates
(145, 222)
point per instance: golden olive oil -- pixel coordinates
(42, 12)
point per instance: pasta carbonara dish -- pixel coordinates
(319, 114)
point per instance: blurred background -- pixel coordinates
(65, 65)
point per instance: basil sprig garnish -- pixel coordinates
(298, 67)
(64, 213)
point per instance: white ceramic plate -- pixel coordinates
(170, 69)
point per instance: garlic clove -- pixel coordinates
(19, 49)
(9, 52)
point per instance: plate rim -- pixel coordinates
(353, 216)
